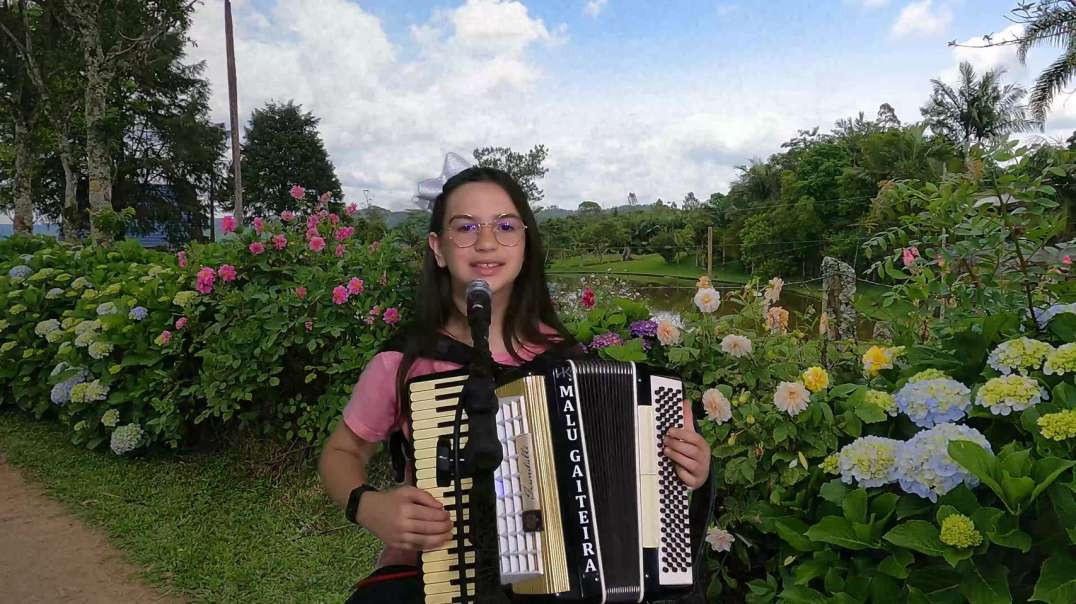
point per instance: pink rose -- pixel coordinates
(334, 219)
(391, 316)
(589, 299)
(256, 248)
(300, 292)
(226, 272)
(909, 255)
(259, 225)
(181, 257)
(351, 208)
(339, 294)
(181, 322)
(165, 337)
(280, 241)
(1066, 260)
(317, 244)
(311, 233)
(312, 221)
(227, 224)
(340, 248)
(297, 192)
(355, 286)
(309, 325)
(287, 215)
(205, 280)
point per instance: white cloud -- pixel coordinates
(921, 18)
(594, 7)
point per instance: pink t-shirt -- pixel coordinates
(371, 412)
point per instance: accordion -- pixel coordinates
(585, 504)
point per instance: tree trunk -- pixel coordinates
(98, 160)
(24, 201)
(70, 211)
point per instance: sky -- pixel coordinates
(655, 98)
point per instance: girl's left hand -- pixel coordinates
(689, 451)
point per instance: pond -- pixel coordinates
(675, 295)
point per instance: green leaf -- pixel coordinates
(843, 390)
(911, 505)
(855, 506)
(917, 535)
(839, 532)
(986, 581)
(792, 531)
(1046, 471)
(977, 460)
(799, 594)
(834, 491)
(1017, 490)
(1007, 533)
(883, 506)
(897, 564)
(870, 414)
(1063, 325)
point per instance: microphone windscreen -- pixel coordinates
(478, 287)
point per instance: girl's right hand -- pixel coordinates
(406, 518)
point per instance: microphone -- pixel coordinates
(479, 296)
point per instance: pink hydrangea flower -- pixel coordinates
(317, 244)
(391, 316)
(256, 248)
(355, 286)
(181, 257)
(351, 208)
(343, 233)
(226, 272)
(300, 292)
(309, 325)
(259, 225)
(280, 241)
(339, 294)
(312, 221)
(297, 192)
(227, 224)
(340, 248)
(205, 279)
(287, 215)
(181, 322)
(909, 255)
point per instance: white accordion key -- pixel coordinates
(519, 548)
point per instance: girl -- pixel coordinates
(508, 256)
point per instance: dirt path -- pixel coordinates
(47, 555)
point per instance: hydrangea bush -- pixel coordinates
(871, 472)
(132, 348)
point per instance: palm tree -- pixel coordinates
(1053, 23)
(978, 109)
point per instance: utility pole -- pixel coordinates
(709, 251)
(233, 104)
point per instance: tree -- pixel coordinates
(887, 117)
(524, 167)
(978, 109)
(589, 207)
(115, 36)
(691, 202)
(283, 149)
(24, 111)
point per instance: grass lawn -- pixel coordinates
(243, 523)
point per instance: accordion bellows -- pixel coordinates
(588, 508)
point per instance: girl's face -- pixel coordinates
(482, 237)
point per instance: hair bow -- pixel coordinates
(429, 189)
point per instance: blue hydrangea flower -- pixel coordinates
(935, 401)
(1003, 395)
(106, 308)
(138, 313)
(870, 460)
(19, 272)
(61, 392)
(1043, 315)
(126, 438)
(924, 467)
(54, 293)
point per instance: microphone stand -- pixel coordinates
(483, 453)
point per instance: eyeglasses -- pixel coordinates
(507, 230)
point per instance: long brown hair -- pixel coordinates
(530, 304)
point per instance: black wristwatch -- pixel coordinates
(352, 510)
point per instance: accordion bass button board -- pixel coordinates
(588, 507)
